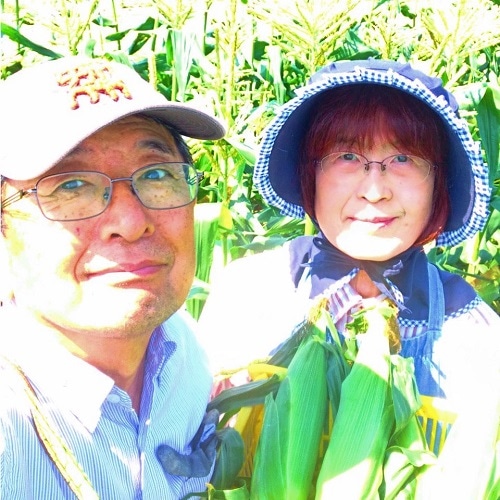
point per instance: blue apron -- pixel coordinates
(427, 373)
(334, 264)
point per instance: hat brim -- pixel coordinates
(39, 126)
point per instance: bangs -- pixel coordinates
(358, 117)
(359, 133)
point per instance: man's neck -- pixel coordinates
(123, 360)
(118, 356)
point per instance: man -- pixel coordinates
(99, 371)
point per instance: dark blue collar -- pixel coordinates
(403, 278)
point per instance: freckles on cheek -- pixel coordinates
(183, 237)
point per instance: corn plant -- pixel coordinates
(478, 259)
(245, 59)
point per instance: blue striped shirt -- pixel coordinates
(115, 447)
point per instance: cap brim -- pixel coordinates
(39, 126)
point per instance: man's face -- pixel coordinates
(115, 275)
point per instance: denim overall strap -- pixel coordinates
(421, 348)
(436, 301)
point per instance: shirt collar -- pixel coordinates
(60, 376)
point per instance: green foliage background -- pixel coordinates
(244, 59)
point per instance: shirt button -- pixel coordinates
(113, 398)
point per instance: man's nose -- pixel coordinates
(125, 215)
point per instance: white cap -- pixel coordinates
(49, 108)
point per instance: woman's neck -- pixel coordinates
(364, 285)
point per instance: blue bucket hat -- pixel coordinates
(276, 173)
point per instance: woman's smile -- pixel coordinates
(372, 218)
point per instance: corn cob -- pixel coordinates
(408, 454)
(468, 467)
(288, 447)
(268, 479)
(320, 321)
(352, 466)
(336, 372)
(406, 457)
(377, 448)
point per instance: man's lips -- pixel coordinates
(142, 268)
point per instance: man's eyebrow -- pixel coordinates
(157, 144)
(76, 150)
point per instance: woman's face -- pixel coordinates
(374, 215)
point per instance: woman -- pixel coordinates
(376, 154)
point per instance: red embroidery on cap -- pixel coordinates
(92, 80)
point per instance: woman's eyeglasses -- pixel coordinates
(406, 168)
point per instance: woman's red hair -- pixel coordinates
(357, 116)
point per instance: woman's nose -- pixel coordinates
(374, 185)
(378, 164)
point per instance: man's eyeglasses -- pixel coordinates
(81, 195)
(403, 167)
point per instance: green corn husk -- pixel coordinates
(287, 452)
(337, 367)
(353, 463)
(336, 372)
(268, 478)
(307, 415)
(352, 466)
(230, 457)
(408, 454)
(253, 393)
(406, 457)
(377, 447)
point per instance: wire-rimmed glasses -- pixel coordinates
(80, 195)
(402, 167)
